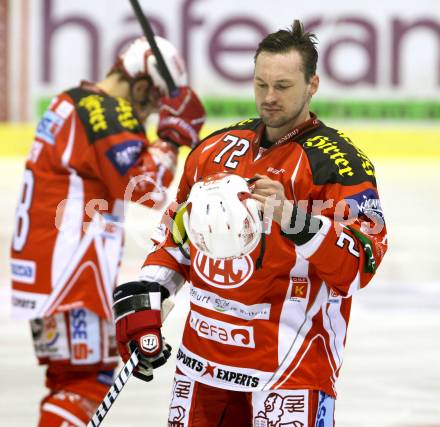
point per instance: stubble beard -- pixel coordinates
(283, 120)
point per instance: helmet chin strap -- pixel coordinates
(259, 260)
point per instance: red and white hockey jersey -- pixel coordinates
(68, 237)
(284, 325)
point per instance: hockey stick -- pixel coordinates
(115, 389)
(161, 64)
(123, 376)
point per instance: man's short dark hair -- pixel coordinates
(294, 38)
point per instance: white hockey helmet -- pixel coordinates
(138, 61)
(222, 220)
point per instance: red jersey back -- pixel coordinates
(68, 237)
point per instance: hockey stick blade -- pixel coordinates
(149, 35)
(115, 389)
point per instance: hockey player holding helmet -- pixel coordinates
(89, 154)
(222, 219)
(264, 339)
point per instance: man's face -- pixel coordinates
(281, 93)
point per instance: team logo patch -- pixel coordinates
(282, 409)
(225, 274)
(123, 156)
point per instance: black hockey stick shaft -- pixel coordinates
(161, 64)
(114, 390)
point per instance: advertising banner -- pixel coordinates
(377, 59)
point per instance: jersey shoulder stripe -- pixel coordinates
(103, 115)
(334, 158)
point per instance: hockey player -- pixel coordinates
(264, 339)
(90, 152)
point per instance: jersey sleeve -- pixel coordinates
(119, 153)
(352, 241)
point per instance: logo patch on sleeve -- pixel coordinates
(123, 156)
(49, 126)
(368, 204)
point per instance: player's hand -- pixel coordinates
(271, 196)
(137, 312)
(181, 118)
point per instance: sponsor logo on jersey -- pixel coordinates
(222, 332)
(51, 333)
(299, 290)
(340, 158)
(85, 336)
(111, 226)
(334, 297)
(124, 155)
(49, 126)
(275, 171)
(95, 111)
(225, 274)
(224, 374)
(332, 150)
(212, 301)
(237, 378)
(325, 411)
(50, 337)
(24, 303)
(191, 362)
(125, 114)
(368, 204)
(366, 163)
(23, 271)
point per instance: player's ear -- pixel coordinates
(313, 84)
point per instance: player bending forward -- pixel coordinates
(89, 154)
(264, 339)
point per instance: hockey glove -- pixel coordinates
(137, 312)
(181, 118)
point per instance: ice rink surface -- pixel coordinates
(391, 371)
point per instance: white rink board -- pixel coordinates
(391, 371)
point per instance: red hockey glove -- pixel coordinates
(181, 118)
(137, 311)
